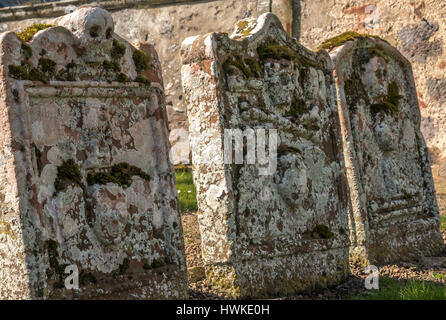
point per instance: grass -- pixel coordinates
(443, 222)
(187, 193)
(410, 290)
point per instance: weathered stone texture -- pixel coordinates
(416, 28)
(395, 213)
(276, 233)
(86, 179)
(166, 26)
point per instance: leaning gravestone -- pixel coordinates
(395, 213)
(85, 182)
(277, 223)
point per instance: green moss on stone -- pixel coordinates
(141, 61)
(390, 102)
(120, 174)
(111, 66)
(323, 231)
(26, 51)
(249, 67)
(38, 155)
(254, 65)
(142, 80)
(18, 72)
(68, 74)
(46, 69)
(320, 232)
(298, 108)
(67, 173)
(118, 50)
(157, 263)
(28, 33)
(86, 278)
(122, 77)
(276, 52)
(124, 265)
(56, 270)
(47, 66)
(339, 40)
(355, 91)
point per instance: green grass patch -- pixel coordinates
(187, 193)
(443, 222)
(406, 290)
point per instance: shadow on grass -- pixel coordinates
(187, 193)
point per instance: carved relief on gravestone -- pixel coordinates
(85, 178)
(273, 215)
(393, 196)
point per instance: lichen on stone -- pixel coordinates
(28, 33)
(244, 28)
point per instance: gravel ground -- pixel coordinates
(429, 269)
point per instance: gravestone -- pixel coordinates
(274, 219)
(395, 213)
(86, 186)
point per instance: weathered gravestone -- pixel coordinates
(395, 213)
(85, 181)
(275, 224)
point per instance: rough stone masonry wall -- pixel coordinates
(165, 23)
(85, 176)
(416, 28)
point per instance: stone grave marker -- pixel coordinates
(395, 213)
(273, 209)
(88, 200)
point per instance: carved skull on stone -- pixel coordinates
(93, 27)
(291, 179)
(109, 206)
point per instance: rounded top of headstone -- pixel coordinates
(89, 24)
(251, 26)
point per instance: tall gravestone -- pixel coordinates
(395, 213)
(86, 186)
(277, 223)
